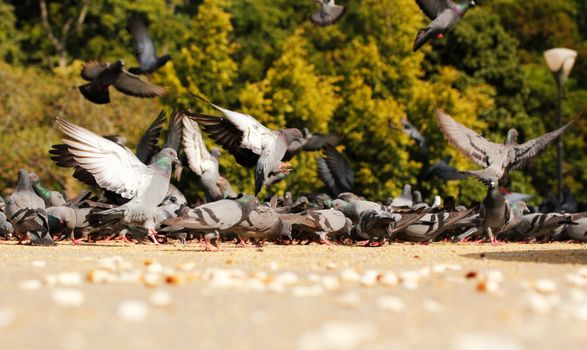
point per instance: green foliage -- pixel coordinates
(357, 79)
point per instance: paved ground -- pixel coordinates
(401, 296)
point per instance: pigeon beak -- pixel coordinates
(176, 161)
(472, 4)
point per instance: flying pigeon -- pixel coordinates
(201, 162)
(26, 211)
(118, 170)
(444, 171)
(335, 170)
(414, 134)
(251, 143)
(328, 13)
(215, 216)
(445, 14)
(144, 49)
(497, 159)
(101, 76)
(146, 149)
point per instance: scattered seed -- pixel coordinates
(545, 286)
(68, 297)
(39, 263)
(471, 274)
(132, 310)
(31, 285)
(390, 303)
(160, 298)
(7, 317)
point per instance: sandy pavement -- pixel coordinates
(400, 296)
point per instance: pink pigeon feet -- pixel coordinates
(209, 246)
(153, 236)
(439, 36)
(285, 168)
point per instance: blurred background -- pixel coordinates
(356, 79)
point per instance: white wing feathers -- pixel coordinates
(200, 160)
(114, 168)
(255, 136)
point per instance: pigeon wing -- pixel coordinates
(132, 85)
(143, 46)
(432, 8)
(113, 167)
(92, 69)
(199, 158)
(527, 151)
(147, 146)
(471, 144)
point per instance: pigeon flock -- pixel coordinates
(131, 196)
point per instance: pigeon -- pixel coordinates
(249, 141)
(144, 49)
(326, 223)
(578, 231)
(497, 159)
(62, 221)
(146, 149)
(353, 209)
(538, 225)
(26, 211)
(404, 200)
(215, 216)
(311, 142)
(51, 198)
(414, 134)
(430, 226)
(497, 214)
(201, 162)
(101, 76)
(445, 14)
(6, 228)
(442, 170)
(328, 13)
(375, 225)
(119, 170)
(335, 171)
(263, 222)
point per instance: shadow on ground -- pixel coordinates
(546, 256)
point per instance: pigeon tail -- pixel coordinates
(259, 179)
(105, 217)
(422, 37)
(93, 93)
(135, 70)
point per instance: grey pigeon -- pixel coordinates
(146, 149)
(497, 214)
(335, 171)
(326, 223)
(497, 159)
(51, 198)
(201, 161)
(578, 231)
(26, 211)
(539, 225)
(263, 222)
(119, 170)
(405, 198)
(444, 171)
(144, 49)
(353, 209)
(569, 204)
(251, 143)
(6, 228)
(375, 225)
(62, 221)
(414, 134)
(328, 13)
(177, 194)
(101, 76)
(430, 226)
(215, 216)
(445, 14)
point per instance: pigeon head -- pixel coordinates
(520, 208)
(293, 135)
(163, 59)
(472, 3)
(512, 137)
(166, 158)
(116, 66)
(34, 178)
(24, 181)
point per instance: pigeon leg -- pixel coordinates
(464, 237)
(152, 235)
(243, 242)
(439, 36)
(285, 167)
(363, 243)
(324, 238)
(210, 242)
